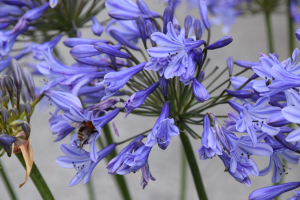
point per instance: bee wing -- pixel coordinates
(87, 132)
(77, 124)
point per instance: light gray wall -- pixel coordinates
(249, 39)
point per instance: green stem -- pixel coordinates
(37, 179)
(189, 152)
(7, 183)
(91, 189)
(119, 179)
(183, 175)
(291, 31)
(269, 32)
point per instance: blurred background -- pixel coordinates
(249, 39)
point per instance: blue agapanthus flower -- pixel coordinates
(75, 117)
(135, 161)
(174, 47)
(242, 148)
(252, 117)
(81, 161)
(162, 130)
(118, 161)
(242, 172)
(209, 144)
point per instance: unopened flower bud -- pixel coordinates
(246, 64)
(143, 7)
(16, 72)
(5, 101)
(3, 87)
(167, 17)
(230, 65)
(142, 28)
(150, 29)
(200, 91)
(16, 123)
(9, 85)
(14, 113)
(4, 115)
(172, 5)
(15, 100)
(27, 109)
(240, 93)
(26, 128)
(15, 3)
(96, 27)
(83, 51)
(197, 29)
(198, 55)
(122, 40)
(201, 76)
(21, 108)
(224, 41)
(28, 80)
(188, 22)
(203, 13)
(105, 48)
(163, 82)
(25, 95)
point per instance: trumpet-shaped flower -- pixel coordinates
(117, 161)
(241, 150)
(242, 172)
(135, 161)
(80, 160)
(209, 144)
(250, 115)
(162, 130)
(176, 48)
(76, 115)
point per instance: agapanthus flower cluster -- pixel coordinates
(268, 107)
(17, 98)
(85, 92)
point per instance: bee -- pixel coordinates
(85, 130)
